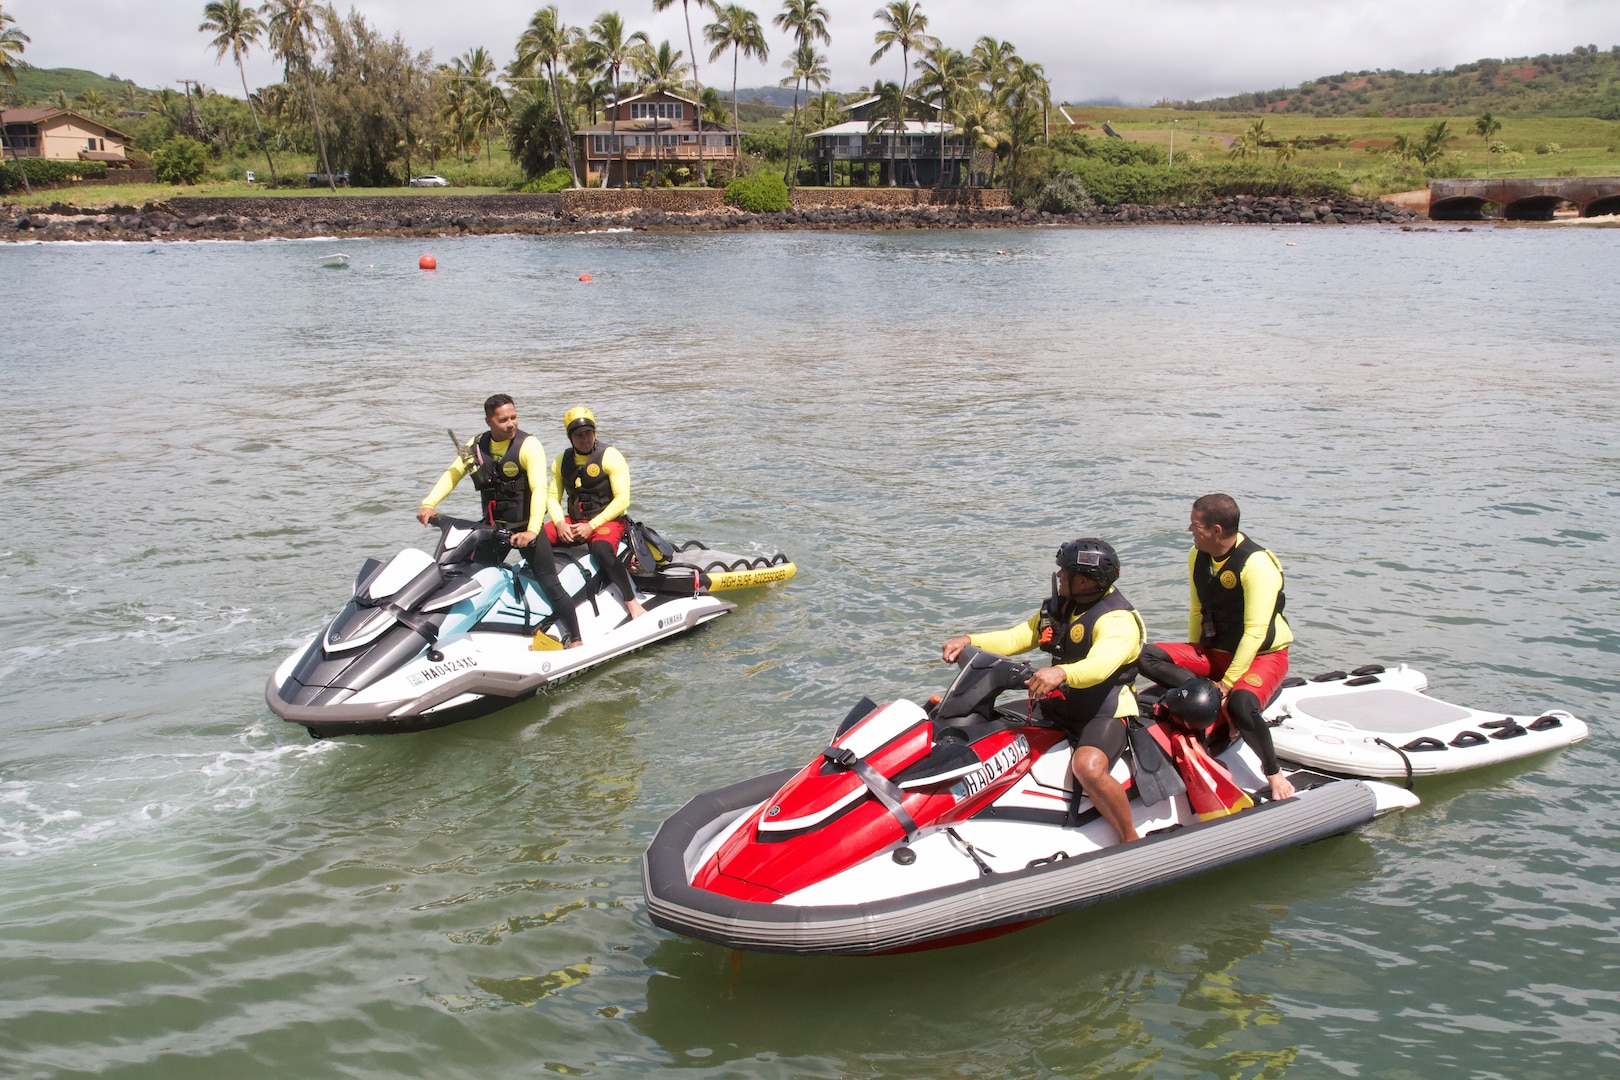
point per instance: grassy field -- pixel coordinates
(1356, 144)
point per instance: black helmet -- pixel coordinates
(1196, 703)
(1091, 558)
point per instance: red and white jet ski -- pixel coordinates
(923, 827)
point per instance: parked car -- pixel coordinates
(429, 180)
(318, 179)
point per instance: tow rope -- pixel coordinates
(1404, 759)
(886, 791)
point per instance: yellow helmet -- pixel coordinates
(577, 417)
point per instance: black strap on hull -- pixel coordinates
(886, 791)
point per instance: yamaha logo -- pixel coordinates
(510, 468)
(593, 470)
(1228, 579)
(773, 811)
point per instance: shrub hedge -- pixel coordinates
(762, 193)
(558, 179)
(1149, 185)
(180, 161)
(48, 171)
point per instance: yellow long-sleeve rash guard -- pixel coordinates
(1262, 581)
(531, 455)
(1116, 640)
(618, 473)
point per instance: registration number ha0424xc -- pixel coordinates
(434, 672)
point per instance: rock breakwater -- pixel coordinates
(407, 215)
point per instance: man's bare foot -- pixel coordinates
(575, 644)
(635, 609)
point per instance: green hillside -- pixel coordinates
(1585, 82)
(39, 86)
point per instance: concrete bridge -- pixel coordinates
(1516, 199)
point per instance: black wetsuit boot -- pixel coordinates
(543, 565)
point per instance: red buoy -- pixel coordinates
(586, 277)
(428, 262)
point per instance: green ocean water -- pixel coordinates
(202, 442)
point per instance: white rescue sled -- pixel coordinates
(1378, 722)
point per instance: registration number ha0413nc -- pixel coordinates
(992, 770)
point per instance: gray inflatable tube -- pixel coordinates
(975, 909)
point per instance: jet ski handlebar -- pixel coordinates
(982, 678)
(477, 533)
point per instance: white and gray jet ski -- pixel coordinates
(429, 640)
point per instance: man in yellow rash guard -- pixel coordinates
(508, 467)
(1094, 636)
(594, 480)
(1236, 631)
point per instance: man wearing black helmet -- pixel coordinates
(508, 467)
(1236, 630)
(1094, 636)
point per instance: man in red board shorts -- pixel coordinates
(591, 486)
(1237, 634)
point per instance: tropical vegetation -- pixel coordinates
(353, 101)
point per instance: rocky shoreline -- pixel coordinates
(358, 216)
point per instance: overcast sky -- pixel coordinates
(1134, 52)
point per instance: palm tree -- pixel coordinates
(132, 97)
(489, 110)
(903, 24)
(235, 28)
(737, 29)
(1251, 142)
(1486, 128)
(993, 62)
(806, 20)
(889, 107)
(808, 68)
(611, 49)
(975, 120)
(944, 72)
(12, 44)
(1027, 92)
(686, 12)
(545, 41)
(293, 28)
(660, 71)
(94, 103)
(458, 105)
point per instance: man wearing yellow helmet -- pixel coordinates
(593, 480)
(507, 466)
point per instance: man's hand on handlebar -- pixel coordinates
(523, 539)
(1046, 680)
(424, 514)
(953, 648)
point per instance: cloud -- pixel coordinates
(1136, 53)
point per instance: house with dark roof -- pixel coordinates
(644, 132)
(61, 135)
(865, 147)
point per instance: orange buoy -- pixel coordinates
(586, 277)
(428, 262)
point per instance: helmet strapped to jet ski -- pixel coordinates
(1195, 704)
(1090, 557)
(577, 417)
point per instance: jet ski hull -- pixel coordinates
(477, 674)
(989, 904)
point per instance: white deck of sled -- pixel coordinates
(1337, 727)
